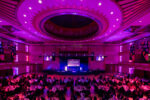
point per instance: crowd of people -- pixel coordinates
(33, 86)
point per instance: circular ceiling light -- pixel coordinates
(99, 3)
(111, 12)
(30, 8)
(117, 19)
(25, 15)
(40, 1)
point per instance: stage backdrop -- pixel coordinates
(82, 60)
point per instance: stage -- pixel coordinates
(53, 72)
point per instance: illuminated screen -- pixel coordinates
(73, 62)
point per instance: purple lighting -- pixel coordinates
(99, 58)
(15, 70)
(131, 71)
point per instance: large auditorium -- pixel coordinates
(74, 49)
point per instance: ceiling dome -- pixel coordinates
(62, 20)
(70, 27)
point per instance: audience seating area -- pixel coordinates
(33, 86)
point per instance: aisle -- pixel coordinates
(68, 94)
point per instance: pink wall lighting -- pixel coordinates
(27, 58)
(16, 59)
(120, 58)
(121, 48)
(27, 69)
(120, 69)
(16, 46)
(131, 71)
(27, 48)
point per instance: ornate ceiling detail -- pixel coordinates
(8, 10)
(106, 14)
(109, 18)
(133, 9)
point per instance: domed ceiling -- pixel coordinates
(71, 21)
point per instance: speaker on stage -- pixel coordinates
(92, 56)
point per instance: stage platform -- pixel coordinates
(52, 72)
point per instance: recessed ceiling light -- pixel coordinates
(40, 1)
(99, 3)
(111, 12)
(25, 22)
(114, 25)
(81, 0)
(25, 15)
(30, 8)
(117, 19)
(140, 21)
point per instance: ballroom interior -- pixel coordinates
(74, 50)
